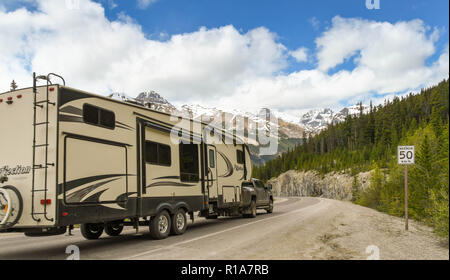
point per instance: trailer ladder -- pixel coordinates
(42, 104)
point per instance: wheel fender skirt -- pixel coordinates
(182, 204)
(164, 206)
(171, 207)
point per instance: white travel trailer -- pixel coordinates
(70, 157)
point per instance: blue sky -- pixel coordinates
(287, 55)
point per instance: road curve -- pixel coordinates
(223, 238)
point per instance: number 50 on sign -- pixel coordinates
(405, 154)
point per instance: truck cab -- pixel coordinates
(256, 195)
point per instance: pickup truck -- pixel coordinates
(255, 195)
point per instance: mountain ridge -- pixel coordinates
(309, 124)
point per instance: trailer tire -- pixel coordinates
(113, 228)
(160, 225)
(91, 231)
(179, 222)
(252, 209)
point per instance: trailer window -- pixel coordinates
(107, 118)
(189, 162)
(240, 156)
(90, 114)
(156, 153)
(212, 164)
(98, 116)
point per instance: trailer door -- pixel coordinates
(212, 172)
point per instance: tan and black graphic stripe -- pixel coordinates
(167, 177)
(78, 195)
(169, 184)
(72, 110)
(67, 186)
(124, 126)
(230, 169)
(76, 115)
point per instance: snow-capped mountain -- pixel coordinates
(288, 132)
(244, 121)
(316, 120)
(310, 123)
(155, 101)
(352, 110)
(121, 97)
(264, 119)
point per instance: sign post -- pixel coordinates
(405, 156)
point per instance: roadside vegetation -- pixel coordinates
(369, 142)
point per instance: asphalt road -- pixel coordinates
(223, 238)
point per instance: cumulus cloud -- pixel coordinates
(300, 54)
(315, 23)
(220, 67)
(143, 4)
(381, 46)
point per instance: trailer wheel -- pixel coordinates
(160, 225)
(270, 209)
(252, 209)
(179, 222)
(91, 231)
(113, 228)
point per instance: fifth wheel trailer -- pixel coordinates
(71, 157)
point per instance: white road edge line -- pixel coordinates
(279, 200)
(218, 232)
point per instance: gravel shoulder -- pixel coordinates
(342, 230)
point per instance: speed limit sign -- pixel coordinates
(405, 154)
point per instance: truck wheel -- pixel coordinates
(113, 228)
(179, 222)
(91, 231)
(160, 225)
(270, 209)
(252, 209)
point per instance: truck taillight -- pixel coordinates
(48, 201)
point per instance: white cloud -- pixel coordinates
(301, 54)
(143, 4)
(315, 23)
(220, 67)
(112, 4)
(380, 46)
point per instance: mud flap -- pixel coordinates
(46, 231)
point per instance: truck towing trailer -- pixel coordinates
(71, 157)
